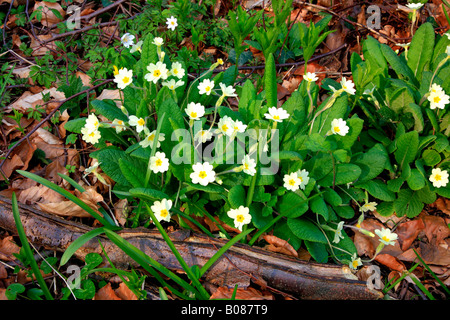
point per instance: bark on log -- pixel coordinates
(241, 263)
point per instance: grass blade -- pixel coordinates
(27, 249)
(432, 273)
(74, 246)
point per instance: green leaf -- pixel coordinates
(318, 205)
(236, 196)
(132, 173)
(345, 173)
(80, 241)
(292, 204)
(421, 49)
(75, 125)
(247, 102)
(416, 180)
(416, 112)
(407, 145)
(109, 109)
(149, 53)
(211, 188)
(317, 250)
(431, 157)
(372, 162)
(148, 194)
(386, 209)
(408, 203)
(270, 82)
(306, 230)
(398, 63)
(355, 126)
(377, 189)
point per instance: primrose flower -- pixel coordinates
(355, 263)
(227, 91)
(172, 84)
(127, 40)
(161, 209)
(206, 86)
(90, 136)
(238, 126)
(338, 232)
(439, 177)
(241, 216)
(203, 173)
(225, 126)
(172, 23)
(348, 86)
(139, 123)
(122, 77)
(292, 181)
(177, 70)
(386, 236)
(438, 98)
(203, 136)
(156, 71)
(310, 77)
(249, 165)
(137, 47)
(148, 141)
(195, 111)
(157, 41)
(414, 6)
(276, 114)
(303, 175)
(119, 125)
(339, 126)
(92, 123)
(368, 206)
(159, 162)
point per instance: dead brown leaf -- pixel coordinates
(124, 293)
(279, 245)
(391, 262)
(442, 204)
(436, 229)
(241, 294)
(8, 248)
(408, 231)
(47, 9)
(21, 156)
(106, 293)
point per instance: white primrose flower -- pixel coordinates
(159, 162)
(241, 216)
(310, 77)
(119, 125)
(386, 236)
(355, 263)
(276, 114)
(122, 77)
(338, 232)
(348, 86)
(139, 123)
(439, 177)
(161, 209)
(239, 126)
(195, 110)
(206, 86)
(339, 126)
(158, 41)
(203, 173)
(292, 181)
(127, 40)
(171, 23)
(414, 6)
(368, 206)
(438, 98)
(177, 70)
(148, 141)
(227, 91)
(156, 71)
(225, 126)
(203, 136)
(90, 136)
(172, 84)
(92, 123)
(249, 165)
(303, 175)
(137, 47)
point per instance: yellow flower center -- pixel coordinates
(175, 71)
(158, 162)
(151, 137)
(208, 88)
(385, 238)
(156, 73)
(120, 122)
(164, 213)
(193, 114)
(141, 122)
(337, 129)
(202, 174)
(126, 79)
(92, 134)
(246, 166)
(437, 99)
(355, 264)
(437, 177)
(240, 218)
(172, 23)
(224, 127)
(276, 117)
(292, 182)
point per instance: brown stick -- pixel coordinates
(241, 263)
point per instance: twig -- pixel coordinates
(6, 20)
(48, 117)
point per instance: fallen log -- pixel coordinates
(239, 265)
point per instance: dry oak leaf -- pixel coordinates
(241, 294)
(279, 245)
(70, 209)
(8, 248)
(436, 229)
(106, 293)
(391, 262)
(19, 160)
(125, 293)
(408, 231)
